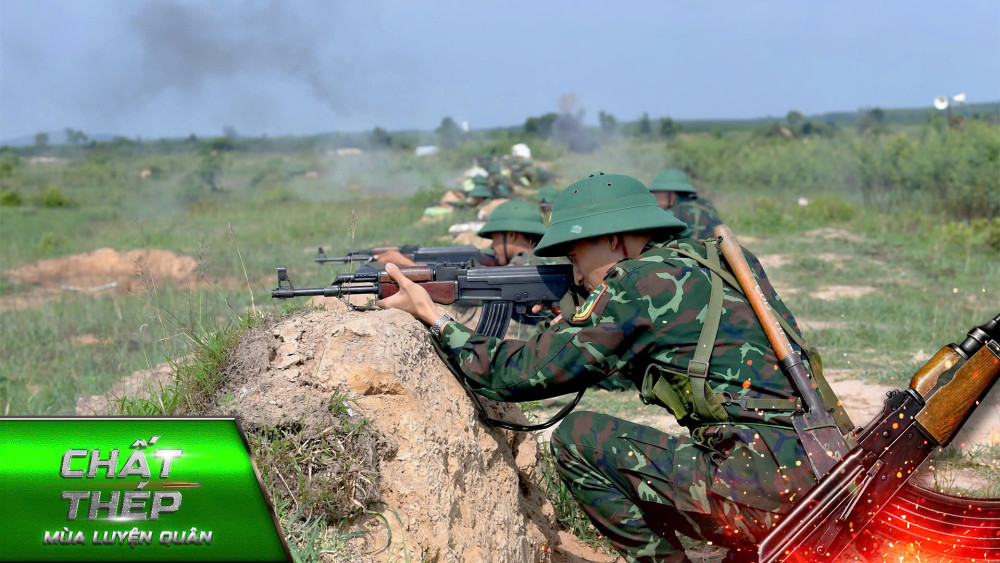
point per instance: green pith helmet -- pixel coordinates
(480, 190)
(493, 169)
(548, 194)
(514, 216)
(671, 180)
(526, 163)
(602, 205)
(479, 180)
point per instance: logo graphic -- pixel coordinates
(111, 489)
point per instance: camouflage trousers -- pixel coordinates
(635, 483)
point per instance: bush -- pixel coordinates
(763, 215)
(978, 232)
(275, 194)
(53, 197)
(826, 208)
(10, 198)
(8, 162)
(50, 242)
(500, 143)
(947, 171)
(951, 170)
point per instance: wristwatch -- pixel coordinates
(439, 324)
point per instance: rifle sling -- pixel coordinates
(491, 422)
(697, 369)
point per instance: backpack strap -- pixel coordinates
(812, 355)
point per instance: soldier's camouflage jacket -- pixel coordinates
(699, 214)
(647, 317)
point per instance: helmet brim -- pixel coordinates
(679, 187)
(512, 226)
(646, 219)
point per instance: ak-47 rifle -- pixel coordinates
(504, 292)
(419, 254)
(890, 449)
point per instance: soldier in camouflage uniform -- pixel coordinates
(674, 192)
(498, 184)
(515, 227)
(484, 160)
(659, 315)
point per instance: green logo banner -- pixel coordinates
(114, 489)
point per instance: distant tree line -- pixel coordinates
(566, 128)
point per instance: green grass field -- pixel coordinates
(926, 255)
(893, 255)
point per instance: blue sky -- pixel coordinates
(170, 68)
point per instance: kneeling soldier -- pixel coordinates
(659, 315)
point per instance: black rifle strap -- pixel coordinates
(491, 422)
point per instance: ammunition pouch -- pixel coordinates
(687, 397)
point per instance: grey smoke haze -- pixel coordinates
(184, 46)
(172, 67)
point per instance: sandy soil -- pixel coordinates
(830, 292)
(107, 270)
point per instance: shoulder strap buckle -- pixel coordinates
(697, 368)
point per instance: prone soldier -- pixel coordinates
(498, 184)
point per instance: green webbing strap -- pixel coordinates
(729, 279)
(698, 366)
(825, 391)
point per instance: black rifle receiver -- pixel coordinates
(419, 254)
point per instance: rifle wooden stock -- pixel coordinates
(924, 380)
(950, 405)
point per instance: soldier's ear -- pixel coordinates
(615, 241)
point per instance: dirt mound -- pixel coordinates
(138, 385)
(107, 269)
(487, 208)
(774, 261)
(827, 233)
(453, 489)
(832, 292)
